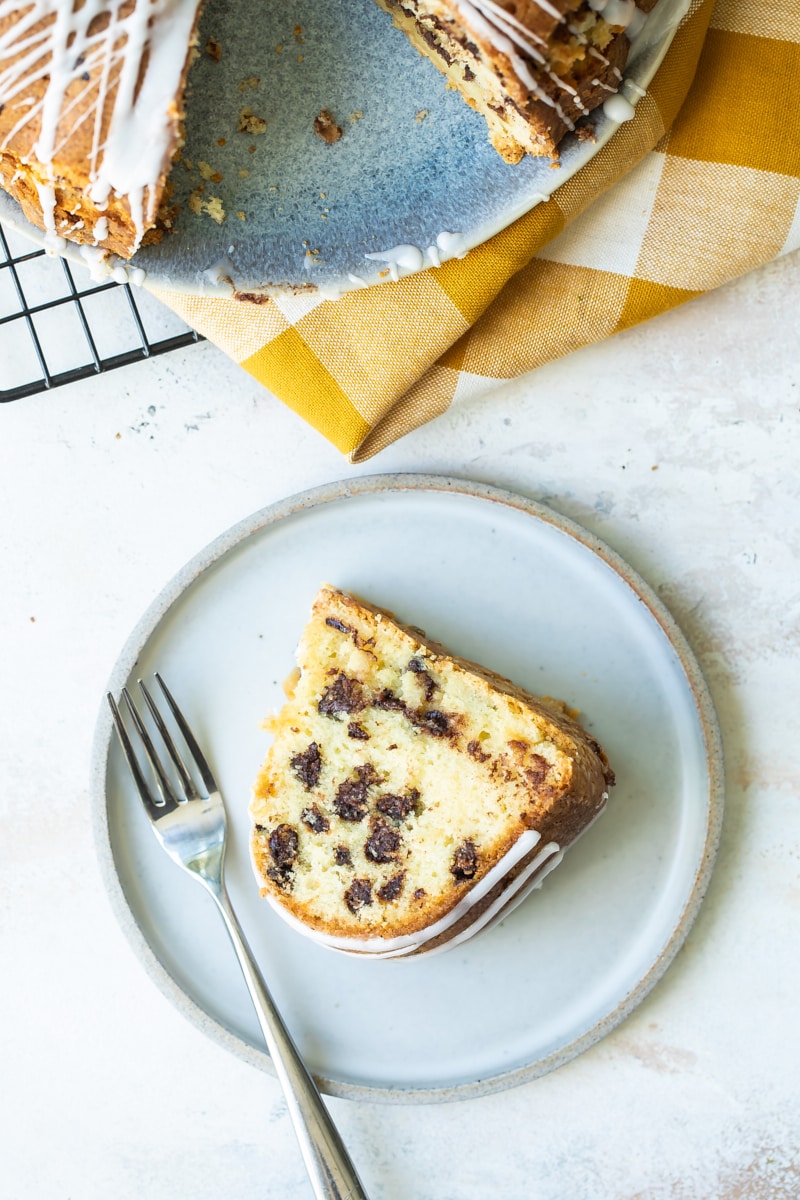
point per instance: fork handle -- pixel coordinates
(329, 1166)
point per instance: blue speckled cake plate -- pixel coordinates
(414, 162)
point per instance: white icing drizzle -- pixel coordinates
(409, 258)
(129, 159)
(618, 109)
(509, 36)
(454, 245)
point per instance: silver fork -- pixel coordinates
(191, 828)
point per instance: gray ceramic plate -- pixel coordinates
(414, 170)
(549, 606)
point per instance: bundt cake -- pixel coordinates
(410, 798)
(91, 93)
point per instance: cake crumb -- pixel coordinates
(250, 81)
(241, 215)
(356, 116)
(243, 174)
(298, 35)
(585, 133)
(213, 207)
(250, 122)
(326, 128)
(422, 114)
(222, 141)
(213, 49)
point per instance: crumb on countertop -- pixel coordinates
(213, 49)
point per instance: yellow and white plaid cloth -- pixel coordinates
(700, 187)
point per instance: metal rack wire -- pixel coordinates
(58, 326)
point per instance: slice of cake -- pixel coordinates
(90, 111)
(533, 68)
(410, 798)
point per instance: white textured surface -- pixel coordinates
(677, 443)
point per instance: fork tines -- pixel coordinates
(167, 797)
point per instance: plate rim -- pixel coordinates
(375, 273)
(312, 498)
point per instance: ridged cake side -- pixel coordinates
(406, 790)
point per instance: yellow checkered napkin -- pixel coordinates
(694, 191)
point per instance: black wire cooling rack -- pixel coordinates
(57, 325)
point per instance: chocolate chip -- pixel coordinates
(283, 879)
(429, 721)
(358, 894)
(465, 861)
(474, 751)
(351, 796)
(418, 668)
(340, 625)
(344, 695)
(392, 888)
(433, 722)
(307, 766)
(315, 819)
(419, 893)
(342, 857)
(283, 843)
(383, 843)
(354, 730)
(397, 807)
(536, 769)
